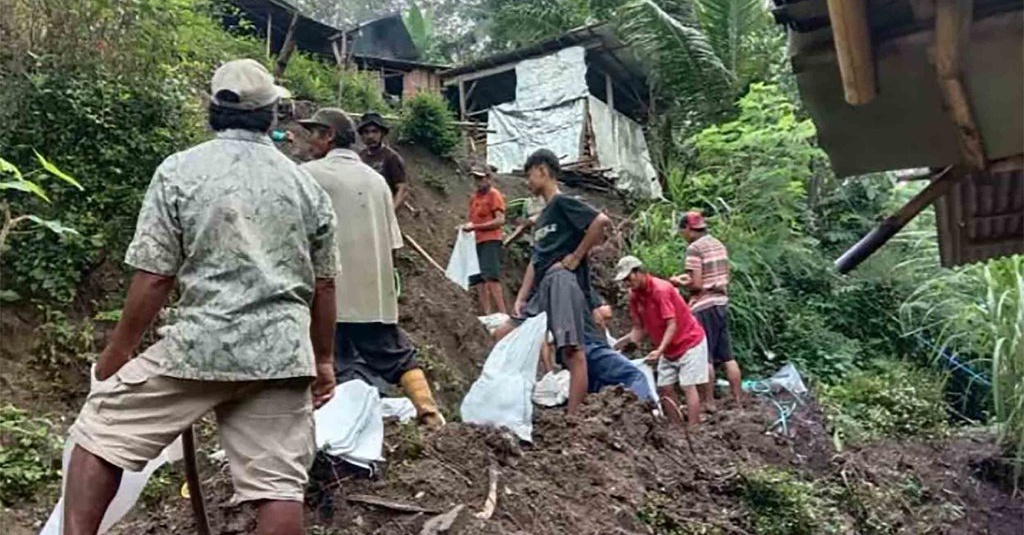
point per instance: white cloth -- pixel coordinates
(501, 395)
(351, 424)
(493, 321)
(128, 492)
(367, 234)
(689, 370)
(552, 390)
(463, 263)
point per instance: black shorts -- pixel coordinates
(364, 350)
(715, 321)
(489, 254)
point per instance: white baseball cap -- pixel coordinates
(626, 266)
(245, 84)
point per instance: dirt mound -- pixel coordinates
(615, 468)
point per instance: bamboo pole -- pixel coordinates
(939, 186)
(852, 38)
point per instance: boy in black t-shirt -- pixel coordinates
(558, 278)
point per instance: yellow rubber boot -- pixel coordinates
(415, 385)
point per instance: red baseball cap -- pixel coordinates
(694, 220)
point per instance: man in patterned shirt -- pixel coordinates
(249, 239)
(707, 279)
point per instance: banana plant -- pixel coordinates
(13, 180)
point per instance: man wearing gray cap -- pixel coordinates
(248, 238)
(368, 341)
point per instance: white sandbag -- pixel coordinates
(552, 390)
(351, 425)
(493, 321)
(501, 396)
(463, 263)
(401, 408)
(788, 379)
(128, 492)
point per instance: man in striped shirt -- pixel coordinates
(706, 277)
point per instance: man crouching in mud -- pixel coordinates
(558, 272)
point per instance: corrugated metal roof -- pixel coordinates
(981, 218)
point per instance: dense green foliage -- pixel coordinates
(427, 121)
(770, 197)
(893, 399)
(29, 454)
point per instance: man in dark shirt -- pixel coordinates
(377, 154)
(558, 278)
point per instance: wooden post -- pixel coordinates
(609, 91)
(270, 31)
(344, 49)
(195, 489)
(462, 100)
(287, 47)
(852, 38)
(942, 184)
(952, 32)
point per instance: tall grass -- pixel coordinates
(979, 311)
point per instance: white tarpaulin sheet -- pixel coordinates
(622, 147)
(551, 80)
(514, 133)
(548, 112)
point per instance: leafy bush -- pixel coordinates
(427, 121)
(30, 454)
(891, 399)
(768, 194)
(311, 79)
(121, 90)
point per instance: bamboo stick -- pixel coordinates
(852, 38)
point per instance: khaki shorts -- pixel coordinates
(265, 427)
(688, 370)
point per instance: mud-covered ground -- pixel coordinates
(612, 469)
(615, 468)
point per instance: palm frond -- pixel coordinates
(681, 56)
(727, 23)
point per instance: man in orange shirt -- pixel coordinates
(486, 219)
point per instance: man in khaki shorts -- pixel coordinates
(681, 352)
(249, 239)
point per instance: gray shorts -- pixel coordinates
(560, 296)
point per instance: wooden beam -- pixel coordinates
(1007, 165)
(286, 48)
(941, 185)
(462, 100)
(952, 38)
(270, 31)
(852, 38)
(609, 91)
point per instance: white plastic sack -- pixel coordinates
(552, 390)
(128, 492)
(351, 425)
(493, 321)
(501, 396)
(401, 408)
(463, 263)
(787, 379)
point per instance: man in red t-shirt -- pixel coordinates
(681, 352)
(486, 219)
